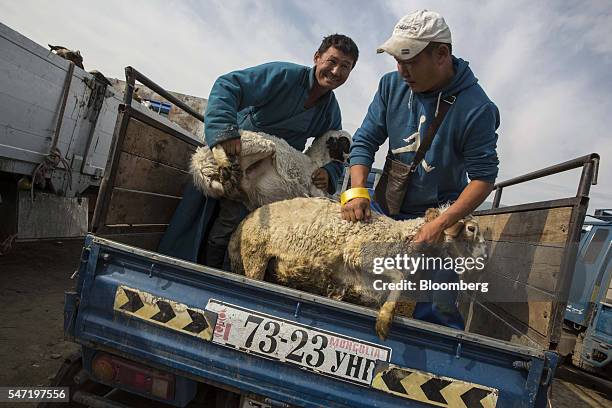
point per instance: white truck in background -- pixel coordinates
(56, 128)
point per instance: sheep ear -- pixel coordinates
(454, 230)
(431, 214)
(345, 143)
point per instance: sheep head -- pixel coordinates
(339, 147)
(74, 56)
(463, 239)
(212, 179)
(218, 174)
(267, 169)
(333, 145)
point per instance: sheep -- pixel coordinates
(74, 56)
(268, 169)
(305, 244)
(100, 77)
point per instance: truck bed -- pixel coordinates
(122, 292)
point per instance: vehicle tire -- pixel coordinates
(226, 399)
(71, 366)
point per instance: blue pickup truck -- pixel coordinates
(161, 331)
(589, 309)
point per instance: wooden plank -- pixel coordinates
(526, 255)
(545, 227)
(485, 319)
(535, 265)
(149, 142)
(510, 297)
(526, 304)
(535, 315)
(137, 173)
(149, 241)
(136, 208)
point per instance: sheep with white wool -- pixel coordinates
(268, 168)
(305, 244)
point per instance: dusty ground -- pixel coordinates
(33, 278)
(571, 395)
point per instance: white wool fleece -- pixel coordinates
(270, 169)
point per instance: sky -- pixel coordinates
(547, 64)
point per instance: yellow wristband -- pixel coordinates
(357, 192)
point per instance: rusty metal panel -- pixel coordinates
(50, 216)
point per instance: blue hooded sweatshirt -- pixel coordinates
(270, 98)
(465, 144)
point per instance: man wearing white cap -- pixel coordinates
(441, 128)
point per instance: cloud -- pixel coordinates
(546, 65)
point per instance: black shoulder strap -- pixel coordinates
(431, 131)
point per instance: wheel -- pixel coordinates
(226, 399)
(71, 366)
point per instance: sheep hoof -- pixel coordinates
(221, 157)
(382, 328)
(383, 321)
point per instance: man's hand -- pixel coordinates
(429, 233)
(474, 194)
(320, 178)
(358, 209)
(232, 147)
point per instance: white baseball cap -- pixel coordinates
(413, 32)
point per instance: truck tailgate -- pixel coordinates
(288, 345)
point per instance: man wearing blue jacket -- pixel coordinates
(290, 101)
(404, 106)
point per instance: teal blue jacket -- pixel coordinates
(465, 144)
(270, 98)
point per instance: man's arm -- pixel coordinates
(366, 142)
(237, 90)
(358, 208)
(469, 199)
(481, 162)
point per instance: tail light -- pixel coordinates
(115, 371)
(599, 356)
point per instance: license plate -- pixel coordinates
(320, 351)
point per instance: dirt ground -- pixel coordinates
(577, 393)
(33, 278)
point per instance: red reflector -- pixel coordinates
(103, 369)
(140, 380)
(117, 371)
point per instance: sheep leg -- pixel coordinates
(386, 314)
(221, 157)
(255, 266)
(387, 310)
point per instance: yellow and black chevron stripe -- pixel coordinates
(432, 389)
(165, 312)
